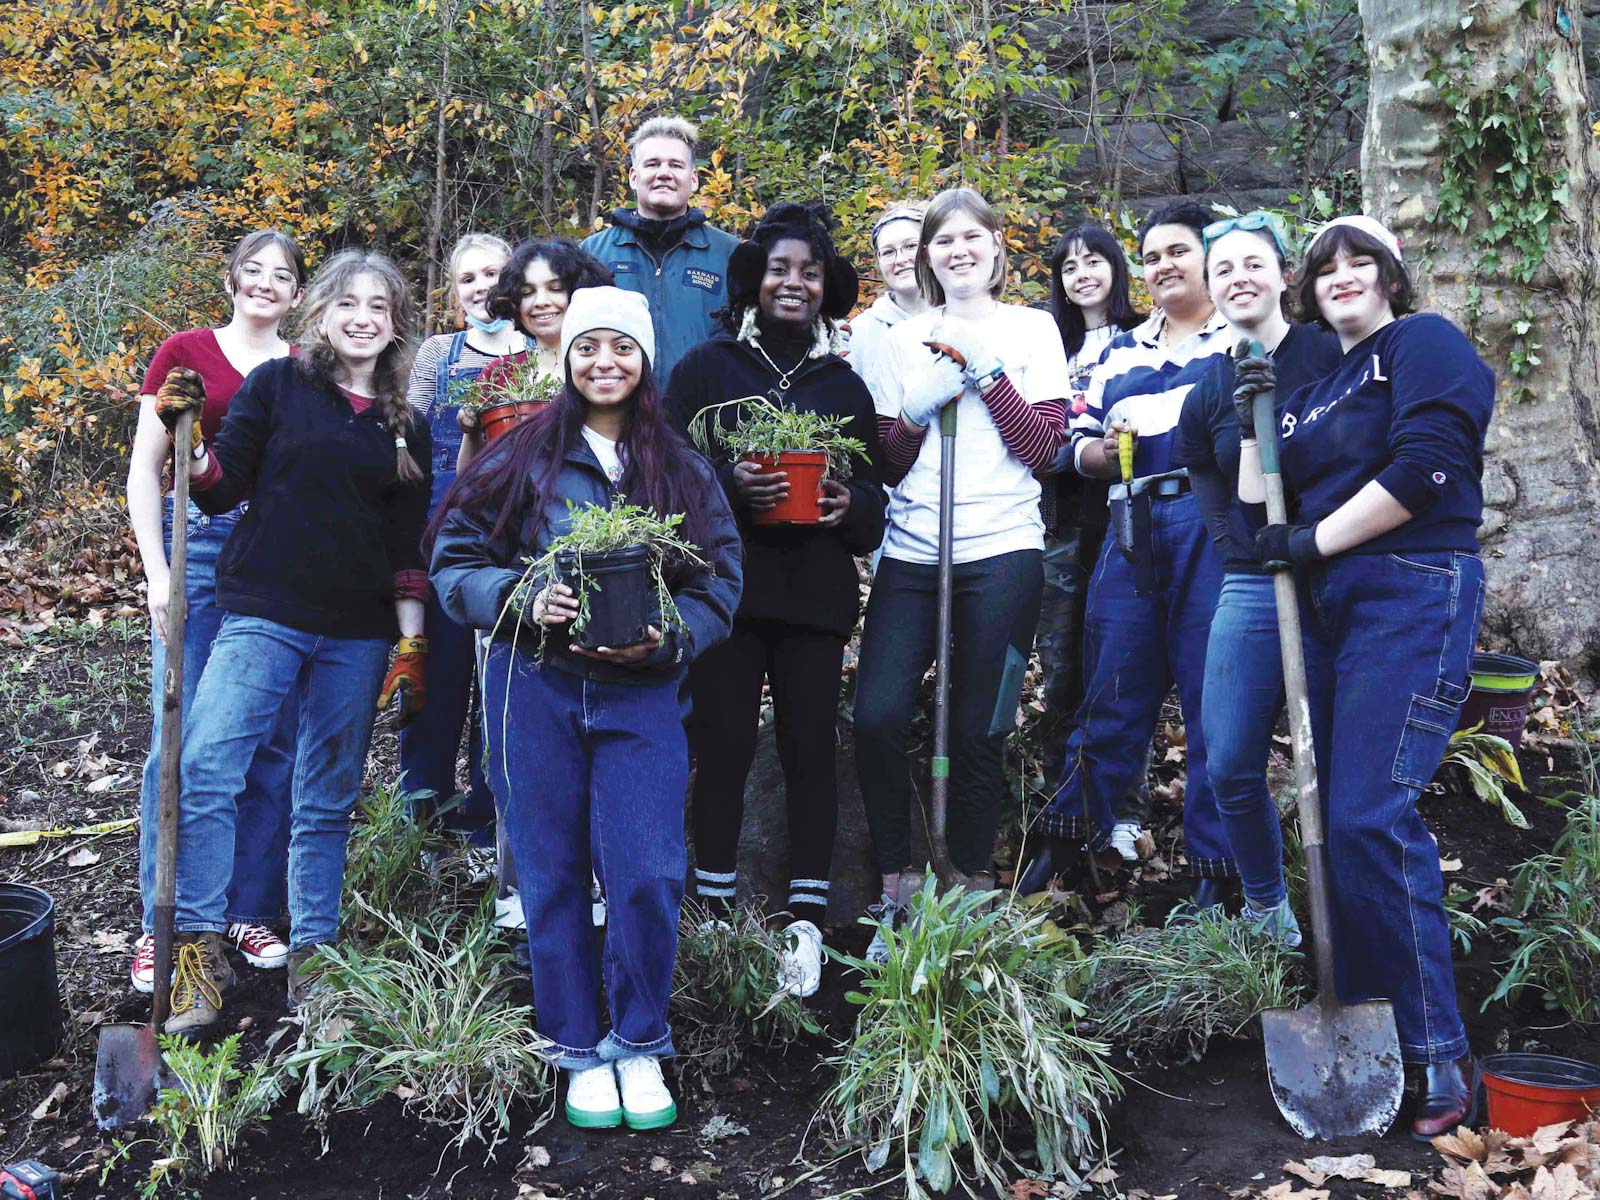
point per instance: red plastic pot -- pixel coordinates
(500, 419)
(1527, 1091)
(805, 469)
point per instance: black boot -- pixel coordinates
(1057, 856)
(1222, 893)
(1449, 1098)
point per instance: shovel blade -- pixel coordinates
(126, 1068)
(1335, 1069)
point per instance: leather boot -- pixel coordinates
(1223, 894)
(1449, 1098)
(1056, 857)
(201, 979)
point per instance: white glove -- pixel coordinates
(981, 361)
(930, 388)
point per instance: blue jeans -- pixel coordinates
(255, 665)
(1388, 644)
(258, 889)
(1243, 697)
(1135, 647)
(593, 776)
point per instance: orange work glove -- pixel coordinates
(405, 685)
(182, 391)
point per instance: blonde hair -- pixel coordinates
(675, 128)
(333, 280)
(947, 204)
(475, 241)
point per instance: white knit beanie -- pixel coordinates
(608, 308)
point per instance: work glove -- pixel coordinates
(1252, 377)
(405, 685)
(1283, 546)
(936, 383)
(182, 391)
(981, 362)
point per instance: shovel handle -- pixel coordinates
(171, 724)
(1125, 454)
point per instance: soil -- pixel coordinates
(76, 714)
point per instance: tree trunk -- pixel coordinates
(447, 15)
(591, 102)
(547, 133)
(1541, 532)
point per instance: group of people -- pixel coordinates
(1107, 512)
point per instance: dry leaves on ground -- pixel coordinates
(1557, 1162)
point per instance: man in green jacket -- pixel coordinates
(664, 248)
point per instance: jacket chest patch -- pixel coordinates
(624, 268)
(701, 278)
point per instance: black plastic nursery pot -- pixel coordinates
(30, 1007)
(621, 597)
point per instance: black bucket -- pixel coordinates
(1502, 685)
(621, 598)
(30, 1009)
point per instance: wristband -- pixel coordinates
(412, 645)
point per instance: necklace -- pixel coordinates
(783, 376)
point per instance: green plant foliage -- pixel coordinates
(1490, 765)
(1555, 919)
(425, 1014)
(966, 1034)
(761, 426)
(1163, 991)
(726, 996)
(397, 864)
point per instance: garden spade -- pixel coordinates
(128, 1066)
(1334, 1068)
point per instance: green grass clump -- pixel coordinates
(968, 1034)
(425, 1014)
(396, 864)
(1155, 992)
(726, 995)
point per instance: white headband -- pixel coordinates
(1370, 226)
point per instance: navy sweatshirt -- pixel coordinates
(330, 524)
(1207, 441)
(1408, 406)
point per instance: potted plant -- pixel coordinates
(616, 560)
(504, 399)
(807, 446)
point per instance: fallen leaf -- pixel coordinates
(1028, 1189)
(89, 1017)
(1465, 1182)
(69, 1143)
(50, 1107)
(103, 784)
(1463, 1144)
(405, 1091)
(1285, 1191)
(1310, 1174)
(1388, 1179)
(1101, 1175)
(1561, 1184)
(1547, 1139)
(1449, 864)
(537, 1156)
(112, 941)
(1496, 897)
(82, 857)
(1353, 1166)
(660, 1165)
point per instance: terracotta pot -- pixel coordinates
(500, 419)
(805, 469)
(1530, 1090)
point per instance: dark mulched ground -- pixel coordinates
(1197, 1129)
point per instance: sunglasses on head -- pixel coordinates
(1251, 222)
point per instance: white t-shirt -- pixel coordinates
(606, 451)
(997, 497)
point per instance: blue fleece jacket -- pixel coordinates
(1410, 407)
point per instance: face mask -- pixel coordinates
(494, 326)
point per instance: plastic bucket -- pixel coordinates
(805, 469)
(621, 598)
(30, 1009)
(1530, 1090)
(501, 419)
(1498, 702)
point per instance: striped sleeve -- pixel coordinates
(420, 388)
(900, 445)
(1033, 432)
(411, 585)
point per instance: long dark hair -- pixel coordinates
(568, 262)
(1069, 316)
(513, 478)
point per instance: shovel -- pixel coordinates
(1334, 1068)
(939, 767)
(128, 1066)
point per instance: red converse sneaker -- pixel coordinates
(259, 945)
(142, 971)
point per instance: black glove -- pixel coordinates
(1252, 377)
(1283, 546)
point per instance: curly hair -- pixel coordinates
(574, 266)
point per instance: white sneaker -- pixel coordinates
(801, 974)
(259, 945)
(646, 1103)
(885, 912)
(1125, 837)
(508, 912)
(597, 903)
(592, 1101)
(142, 971)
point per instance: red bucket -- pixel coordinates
(1527, 1091)
(501, 419)
(805, 469)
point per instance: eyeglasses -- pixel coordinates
(890, 253)
(251, 273)
(1250, 222)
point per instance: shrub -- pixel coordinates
(726, 995)
(1171, 990)
(426, 1014)
(969, 1033)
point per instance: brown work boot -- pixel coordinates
(300, 978)
(201, 978)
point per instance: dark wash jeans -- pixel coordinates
(1388, 643)
(1243, 697)
(995, 608)
(592, 777)
(1135, 647)
(259, 887)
